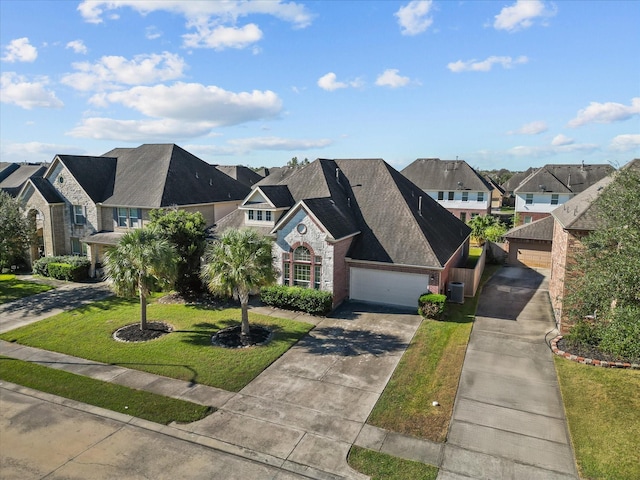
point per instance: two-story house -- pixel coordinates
(83, 204)
(357, 228)
(454, 184)
(553, 185)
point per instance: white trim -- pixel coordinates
(403, 265)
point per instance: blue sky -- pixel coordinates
(508, 84)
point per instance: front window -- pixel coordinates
(465, 196)
(133, 217)
(259, 215)
(78, 248)
(529, 199)
(122, 217)
(463, 216)
(267, 216)
(79, 217)
(554, 199)
(528, 219)
(450, 196)
(250, 214)
(481, 196)
(128, 217)
(440, 195)
(302, 268)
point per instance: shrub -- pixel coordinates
(431, 305)
(621, 336)
(314, 302)
(69, 267)
(583, 334)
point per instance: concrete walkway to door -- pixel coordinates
(508, 420)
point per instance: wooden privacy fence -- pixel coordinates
(470, 276)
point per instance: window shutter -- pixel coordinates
(140, 218)
(84, 215)
(73, 216)
(115, 217)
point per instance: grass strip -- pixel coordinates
(137, 403)
(603, 411)
(13, 289)
(185, 354)
(429, 371)
(380, 466)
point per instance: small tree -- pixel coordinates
(238, 263)
(486, 227)
(187, 232)
(142, 259)
(15, 231)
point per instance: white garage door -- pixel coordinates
(392, 288)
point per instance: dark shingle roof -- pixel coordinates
(18, 176)
(578, 213)
(48, 192)
(95, 174)
(539, 230)
(573, 178)
(516, 179)
(434, 174)
(243, 174)
(7, 169)
(161, 175)
(278, 195)
(277, 174)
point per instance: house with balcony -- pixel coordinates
(454, 184)
(82, 205)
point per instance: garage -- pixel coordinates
(390, 288)
(530, 245)
(537, 257)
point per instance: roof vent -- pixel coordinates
(210, 182)
(542, 188)
(420, 205)
(197, 176)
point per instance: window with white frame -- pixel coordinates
(78, 248)
(128, 217)
(440, 195)
(481, 196)
(528, 199)
(554, 199)
(528, 219)
(260, 215)
(302, 268)
(450, 197)
(465, 196)
(79, 215)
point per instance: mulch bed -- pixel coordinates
(231, 337)
(132, 333)
(590, 355)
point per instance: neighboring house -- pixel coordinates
(83, 204)
(356, 228)
(453, 184)
(497, 194)
(275, 175)
(553, 185)
(243, 174)
(14, 175)
(514, 182)
(529, 245)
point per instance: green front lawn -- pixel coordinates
(429, 371)
(380, 466)
(12, 289)
(147, 405)
(603, 411)
(186, 354)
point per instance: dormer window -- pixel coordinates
(260, 215)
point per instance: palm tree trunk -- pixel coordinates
(143, 308)
(245, 330)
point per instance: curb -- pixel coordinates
(589, 361)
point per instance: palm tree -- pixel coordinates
(237, 263)
(142, 259)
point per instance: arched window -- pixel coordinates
(302, 268)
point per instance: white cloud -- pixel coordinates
(77, 46)
(606, 113)
(560, 140)
(329, 82)
(221, 37)
(113, 71)
(414, 17)
(194, 102)
(533, 128)
(626, 142)
(214, 21)
(20, 50)
(152, 32)
(550, 150)
(521, 15)
(485, 65)
(16, 89)
(139, 130)
(278, 143)
(36, 151)
(390, 78)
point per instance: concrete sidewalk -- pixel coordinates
(508, 420)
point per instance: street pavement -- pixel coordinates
(299, 418)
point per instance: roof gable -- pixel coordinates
(94, 174)
(572, 178)
(578, 212)
(539, 230)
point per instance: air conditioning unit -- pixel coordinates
(456, 292)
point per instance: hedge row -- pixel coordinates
(431, 305)
(314, 302)
(71, 268)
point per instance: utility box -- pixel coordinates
(456, 292)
